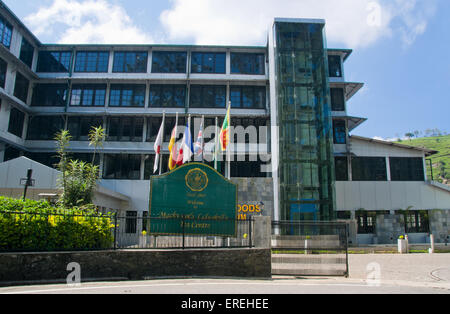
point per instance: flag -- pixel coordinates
(198, 146)
(158, 145)
(173, 148)
(187, 146)
(225, 133)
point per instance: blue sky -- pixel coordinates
(400, 47)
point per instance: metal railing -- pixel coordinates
(310, 248)
(59, 231)
(182, 232)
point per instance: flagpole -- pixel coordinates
(216, 145)
(191, 139)
(228, 148)
(160, 157)
(202, 142)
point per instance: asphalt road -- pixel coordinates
(281, 285)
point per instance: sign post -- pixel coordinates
(193, 199)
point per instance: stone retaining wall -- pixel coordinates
(135, 265)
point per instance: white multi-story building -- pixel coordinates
(293, 153)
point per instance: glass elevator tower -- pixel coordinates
(300, 109)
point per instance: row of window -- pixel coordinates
(162, 62)
(374, 169)
(414, 221)
(130, 129)
(133, 95)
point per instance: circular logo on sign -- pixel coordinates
(196, 180)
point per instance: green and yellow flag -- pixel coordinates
(225, 133)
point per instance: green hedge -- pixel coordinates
(38, 226)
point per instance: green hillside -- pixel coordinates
(441, 161)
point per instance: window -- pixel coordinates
(92, 61)
(16, 119)
(122, 167)
(366, 222)
(341, 167)
(130, 62)
(203, 62)
(44, 128)
(247, 169)
(334, 66)
(337, 99)
(54, 61)
(5, 32)
(131, 222)
(26, 52)
(88, 95)
(169, 62)
(79, 127)
(21, 87)
(344, 214)
(127, 96)
(339, 132)
(150, 162)
(248, 130)
(47, 159)
(248, 63)
(207, 96)
(3, 68)
(406, 169)
(86, 157)
(49, 95)
(248, 97)
(417, 222)
(369, 169)
(168, 96)
(125, 129)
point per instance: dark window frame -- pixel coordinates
(83, 90)
(157, 96)
(339, 131)
(366, 222)
(44, 128)
(202, 68)
(3, 71)
(369, 169)
(26, 52)
(254, 91)
(135, 127)
(21, 87)
(54, 61)
(82, 62)
(129, 62)
(341, 173)
(6, 30)
(335, 66)
(175, 62)
(408, 169)
(213, 91)
(81, 132)
(251, 64)
(123, 167)
(16, 122)
(337, 99)
(50, 95)
(137, 91)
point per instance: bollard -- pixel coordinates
(431, 250)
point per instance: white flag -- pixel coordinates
(158, 146)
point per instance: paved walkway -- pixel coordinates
(414, 268)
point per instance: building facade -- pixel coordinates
(292, 153)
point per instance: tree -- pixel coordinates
(79, 178)
(409, 135)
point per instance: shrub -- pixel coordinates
(36, 225)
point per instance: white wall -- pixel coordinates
(390, 196)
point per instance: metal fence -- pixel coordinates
(310, 248)
(59, 231)
(133, 232)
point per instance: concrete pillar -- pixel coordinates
(262, 232)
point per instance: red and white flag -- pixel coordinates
(158, 145)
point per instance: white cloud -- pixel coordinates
(86, 21)
(351, 23)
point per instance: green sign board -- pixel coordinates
(193, 199)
